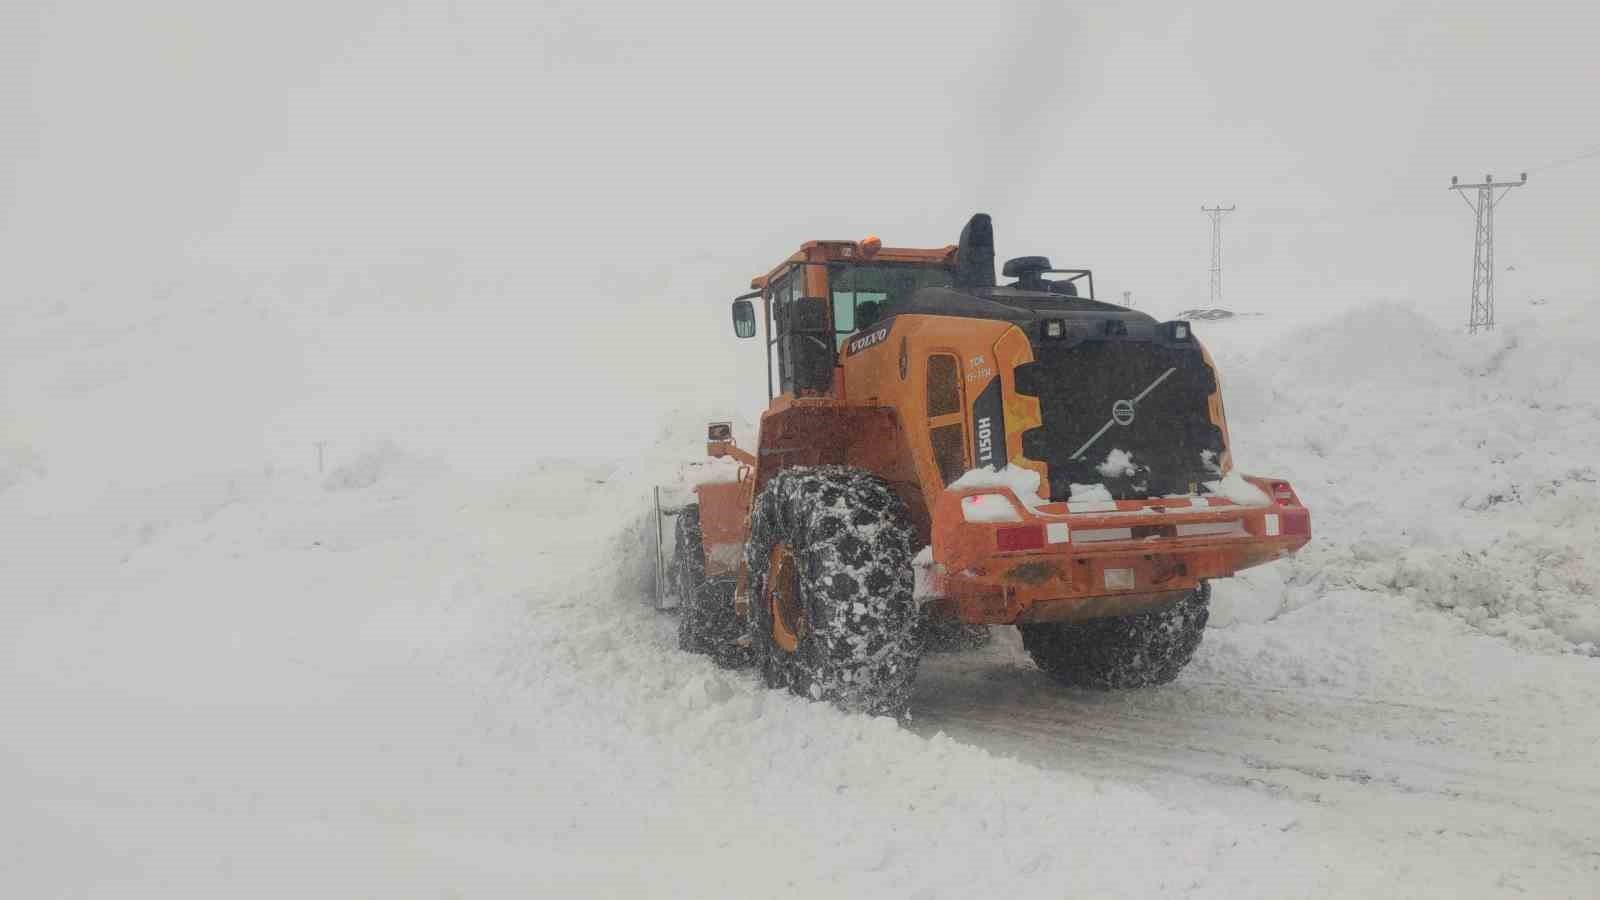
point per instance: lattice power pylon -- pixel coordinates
(1216, 213)
(1489, 196)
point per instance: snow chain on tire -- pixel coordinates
(852, 543)
(1122, 652)
(707, 623)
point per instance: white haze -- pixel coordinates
(478, 256)
(561, 197)
(561, 138)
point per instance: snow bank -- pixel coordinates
(381, 461)
(1455, 471)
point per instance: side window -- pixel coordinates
(844, 315)
(864, 294)
(946, 428)
(779, 292)
(802, 363)
(859, 295)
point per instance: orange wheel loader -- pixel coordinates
(945, 447)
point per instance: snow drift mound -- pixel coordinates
(1213, 314)
(1456, 471)
(378, 462)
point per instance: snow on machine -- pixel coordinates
(941, 448)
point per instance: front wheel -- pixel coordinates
(1121, 652)
(707, 623)
(832, 615)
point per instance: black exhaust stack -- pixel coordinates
(975, 254)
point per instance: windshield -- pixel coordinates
(864, 294)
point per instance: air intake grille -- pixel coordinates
(1148, 401)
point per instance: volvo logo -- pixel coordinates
(1122, 413)
(870, 339)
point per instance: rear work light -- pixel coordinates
(1055, 329)
(1028, 537)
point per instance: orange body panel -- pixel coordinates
(724, 509)
(892, 376)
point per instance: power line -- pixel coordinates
(1588, 153)
(1216, 213)
(1489, 196)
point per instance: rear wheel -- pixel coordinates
(831, 610)
(707, 623)
(1122, 652)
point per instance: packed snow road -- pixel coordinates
(1473, 751)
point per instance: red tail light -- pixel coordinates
(1028, 537)
(1282, 493)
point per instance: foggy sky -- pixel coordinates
(571, 140)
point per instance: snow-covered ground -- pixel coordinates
(429, 669)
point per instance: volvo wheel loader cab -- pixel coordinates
(944, 445)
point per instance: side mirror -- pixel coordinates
(744, 319)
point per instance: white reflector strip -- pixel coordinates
(1270, 520)
(1057, 532)
(1091, 535)
(1080, 506)
(1234, 527)
(1119, 579)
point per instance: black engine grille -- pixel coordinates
(1170, 433)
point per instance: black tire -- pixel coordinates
(852, 542)
(707, 623)
(1123, 652)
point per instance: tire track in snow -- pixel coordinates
(1359, 762)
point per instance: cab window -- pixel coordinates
(865, 294)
